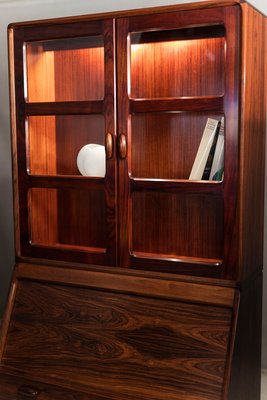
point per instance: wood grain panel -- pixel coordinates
(82, 218)
(184, 288)
(191, 224)
(68, 217)
(41, 145)
(40, 84)
(196, 68)
(84, 71)
(147, 347)
(43, 216)
(65, 73)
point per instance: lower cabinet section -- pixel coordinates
(112, 345)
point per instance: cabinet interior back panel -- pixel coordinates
(56, 221)
(69, 69)
(192, 224)
(196, 68)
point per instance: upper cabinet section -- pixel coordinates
(178, 62)
(140, 92)
(69, 69)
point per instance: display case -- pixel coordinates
(138, 154)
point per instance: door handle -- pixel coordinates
(109, 145)
(122, 144)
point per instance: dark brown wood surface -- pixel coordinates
(129, 344)
(176, 287)
(252, 143)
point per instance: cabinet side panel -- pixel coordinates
(252, 141)
(245, 381)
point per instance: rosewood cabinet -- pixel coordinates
(133, 281)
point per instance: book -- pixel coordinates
(217, 168)
(207, 169)
(204, 148)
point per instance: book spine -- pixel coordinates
(207, 169)
(217, 168)
(204, 149)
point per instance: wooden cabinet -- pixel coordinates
(133, 280)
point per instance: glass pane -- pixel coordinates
(66, 145)
(69, 69)
(61, 217)
(193, 225)
(164, 145)
(177, 63)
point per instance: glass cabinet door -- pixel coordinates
(65, 141)
(176, 97)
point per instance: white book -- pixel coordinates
(204, 149)
(218, 160)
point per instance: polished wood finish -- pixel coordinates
(179, 58)
(141, 284)
(182, 288)
(130, 341)
(252, 136)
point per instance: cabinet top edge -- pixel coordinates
(128, 13)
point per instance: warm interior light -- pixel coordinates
(191, 67)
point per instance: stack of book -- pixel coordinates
(209, 160)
